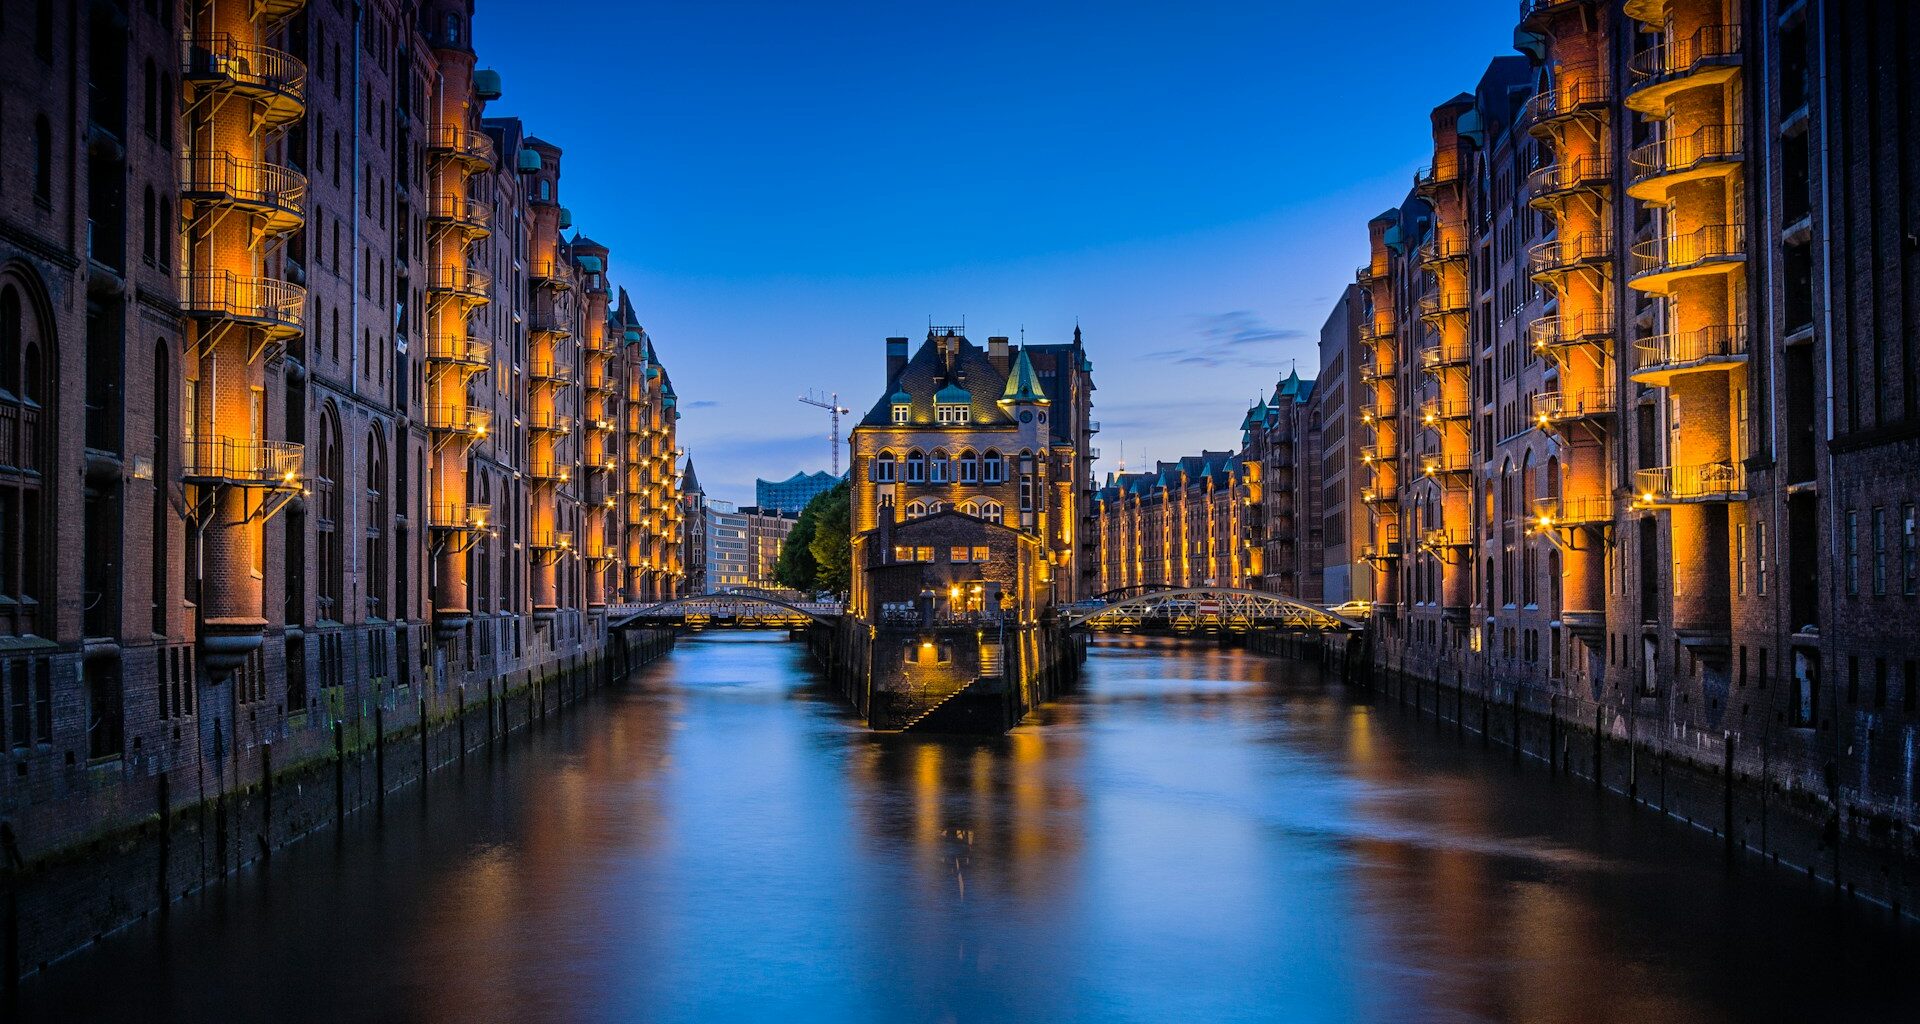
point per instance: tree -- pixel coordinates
(795, 569)
(832, 541)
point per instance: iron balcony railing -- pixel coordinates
(549, 469)
(552, 540)
(551, 272)
(1444, 353)
(277, 193)
(468, 214)
(1440, 174)
(1671, 254)
(1580, 173)
(279, 306)
(1379, 496)
(549, 321)
(277, 78)
(462, 144)
(1535, 8)
(1711, 481)
(459, 419)
(1443, 302)
(461, 350)
(1379, 408)
(245, 462)
(1380, 551)
(1572, 404)
(1681, 349)
(1576, 88)
(1444, 537)
(465, 282)
(1441, 249)
(1678, 58)
(1561, 510)
(551, 371)
(1379, 451)
(547, 421)
(1380, 367)
(459, 515)
(1708, 144)
(1436, 463)
(1551, 332)
(1559, 255)
(1437, 410)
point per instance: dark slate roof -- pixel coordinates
(927, 372)
(689, 483)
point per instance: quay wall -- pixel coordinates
(89, 860)
(1762, 798)
(880, 673)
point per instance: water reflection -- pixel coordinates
(1199, 834)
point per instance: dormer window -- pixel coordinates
(900, 412)
(902, 406)
(950, 415)
(952, 406)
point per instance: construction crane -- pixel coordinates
(831, 403)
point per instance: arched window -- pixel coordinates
(916, 508)
(1528, 594)
(969, 467)
(916, 467)
(546, 190)
(375, 569)
(326, 488)
(992, 511)
(23, 454)
(936, 505)
(992, 468)
(941, 469)
(1553, 477)
(971, 508)
(883, 468)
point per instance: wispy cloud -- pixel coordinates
(704, 403)
(1235, 338)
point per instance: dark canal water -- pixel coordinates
(1198, 835)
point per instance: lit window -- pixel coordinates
(883, 468)
(992, 469)
(941, 468)
(916, 509)
(916, 467)
(901, 411)
(952, 415)
(981, 553)
(959, 553)
(923, 553)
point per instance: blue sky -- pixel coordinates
(784, 184)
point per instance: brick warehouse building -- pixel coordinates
(310, 407)
(1248, 519)
(1639, 404)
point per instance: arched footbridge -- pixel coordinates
(746, 610)
(1210, 609)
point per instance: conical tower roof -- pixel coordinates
(1023, 385)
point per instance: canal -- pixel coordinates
(1197, 834)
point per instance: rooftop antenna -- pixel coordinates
(831, 403)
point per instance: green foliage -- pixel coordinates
(818, 553)
(832, 542)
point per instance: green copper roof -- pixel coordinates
(1255, 415)
(1023, 385)
(901, 398)
(952, 394)
(486, 84)
(528, 161)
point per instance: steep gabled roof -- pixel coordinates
(689, 483)
(927, 372)
(1023, 385)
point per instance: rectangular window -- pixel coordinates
(923, 553)
(969, 470)
(959, 553)
(992, 468)
(1853, 552)
(981, 553)
(1026, 494)
(1740, 559)
(883, 471)
(1760, 556)
(900, 413)
(1879, 551)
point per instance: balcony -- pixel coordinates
(459, 350)
(1379, 497)
(1442, 175)
(276, 307)
(1443, 303)
(471, 217)
(1364, 276)
(1687, 485)
(1662, 357)
(1710, 151)
(549, 470)
(1590, 250)
(467, 285)
(1445, 463)
(1375, 551)
(458, 420)
(1710, 56)
(1437, 411)
(1441, 538)
(1530, 9)
(551, 273)
(1550, 334)
(551, 371)
(1379, 451)
(1555, 407)
(1579, 90)
(546, 421)
(1378, 409)
(462, 515)
(1713, 249)
(276, 82)
(1377, 369)
(275, 194)
(1439, 250)
(244, 462)
(1560, 510)
(602, 382)
(595, 342)
(551, 540)
(1556, 181)
(549, 321)
(1445, 354)
(1373, 332)
(461, 145)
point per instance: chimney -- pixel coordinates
(896, 357)
(997, 353)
